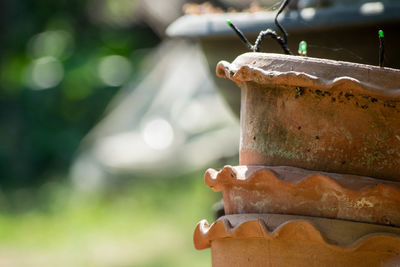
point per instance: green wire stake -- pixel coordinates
(381, 48)
(303, 48)
(240, 34)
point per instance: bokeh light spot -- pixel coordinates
(158, 134)
(117, 13)
(56, 43)
(372, 8)
(46, 72)
(114, 70)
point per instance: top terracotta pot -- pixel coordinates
(318, 114)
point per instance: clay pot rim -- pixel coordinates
(295, 229)
(301, 59)
(298, 71)
(328, 195)
(274, 175)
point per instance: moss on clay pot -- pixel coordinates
(318, 114)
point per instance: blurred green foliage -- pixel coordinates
(60, 64)
(148, 223)
(51, 89)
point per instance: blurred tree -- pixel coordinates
(60, 64)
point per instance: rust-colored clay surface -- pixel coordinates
(318, 114)
(283, 240)
(290, 190)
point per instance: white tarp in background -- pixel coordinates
(172, 122)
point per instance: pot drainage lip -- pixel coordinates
(338, 234)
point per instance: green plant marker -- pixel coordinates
(303, 48)
(381, 48)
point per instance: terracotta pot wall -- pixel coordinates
(318, 114)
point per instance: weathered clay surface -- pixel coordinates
(290, 190)
(283, 240)
(318, 114)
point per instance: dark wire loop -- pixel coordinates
(282, 41)
(274, 35)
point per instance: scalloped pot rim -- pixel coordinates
(293, 230)
(290, 190)
(259, 174)
(269, 68)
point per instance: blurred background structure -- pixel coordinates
(106, 128)
(172, 123)
(96, 112)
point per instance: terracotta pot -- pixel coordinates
(290, 190)
(318, 114)
(283, 240)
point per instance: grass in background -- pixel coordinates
(148, 223)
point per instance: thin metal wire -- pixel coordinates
(282, 41)
(240, 34)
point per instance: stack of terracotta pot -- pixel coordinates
(319, 180)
